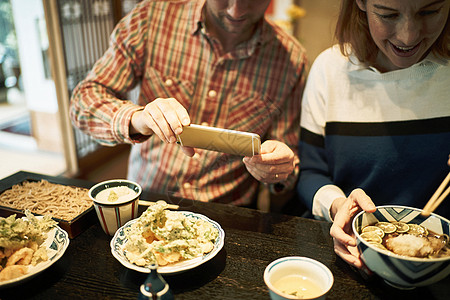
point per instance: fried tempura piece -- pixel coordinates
(39, 255)
(20, 257)
(33, 245)
(165, 259)
(207, 247)
(135, 258)
(11, 272)
(149, 236)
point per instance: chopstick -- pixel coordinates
(437, 197)
(148, 203)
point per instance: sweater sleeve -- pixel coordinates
(315, 186)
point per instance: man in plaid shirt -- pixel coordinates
(218, 63)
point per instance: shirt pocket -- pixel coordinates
(157, 85)
(252, 112)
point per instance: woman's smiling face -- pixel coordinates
(404, 30)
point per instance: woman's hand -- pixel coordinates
(275, 163)
(343, 210)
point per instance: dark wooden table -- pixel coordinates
(252, 240)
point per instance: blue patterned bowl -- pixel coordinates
(401, 271)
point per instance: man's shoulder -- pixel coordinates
(276, 34)
(165, 5)
(148, 3)
(153, 10)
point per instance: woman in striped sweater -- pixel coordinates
(375, 123)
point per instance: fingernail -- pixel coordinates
(178, 130)
(172, 140)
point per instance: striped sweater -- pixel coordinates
(387, 133)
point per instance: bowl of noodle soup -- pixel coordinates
(403, 247)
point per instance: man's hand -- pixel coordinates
(275, 163)
(163, 117)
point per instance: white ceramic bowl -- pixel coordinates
(315, 271)
(113, 215)
(401, 271)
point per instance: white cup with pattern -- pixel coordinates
(116, 202)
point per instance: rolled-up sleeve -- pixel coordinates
(98, 104)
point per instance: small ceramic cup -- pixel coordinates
(116, 202)
(296, 277)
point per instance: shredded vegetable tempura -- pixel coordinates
(20, 242)
(17, 233)
(164, 237)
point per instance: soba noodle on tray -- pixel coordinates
(45, 198)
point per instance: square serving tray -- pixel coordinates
(73, 227)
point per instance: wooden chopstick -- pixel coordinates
(148, 203)
(437, 197)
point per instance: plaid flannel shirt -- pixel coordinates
(164, 48)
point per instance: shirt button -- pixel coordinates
(212, 94)
(168, 82)
(186, 185)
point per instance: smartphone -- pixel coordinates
(221, 140)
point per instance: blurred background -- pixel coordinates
(48, 46)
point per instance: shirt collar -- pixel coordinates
(197, 17)
(356, 65)
(435, 59)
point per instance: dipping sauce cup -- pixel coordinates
(116, 202)
(296, 277)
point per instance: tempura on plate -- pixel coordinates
(164, 237)
(20, 243)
